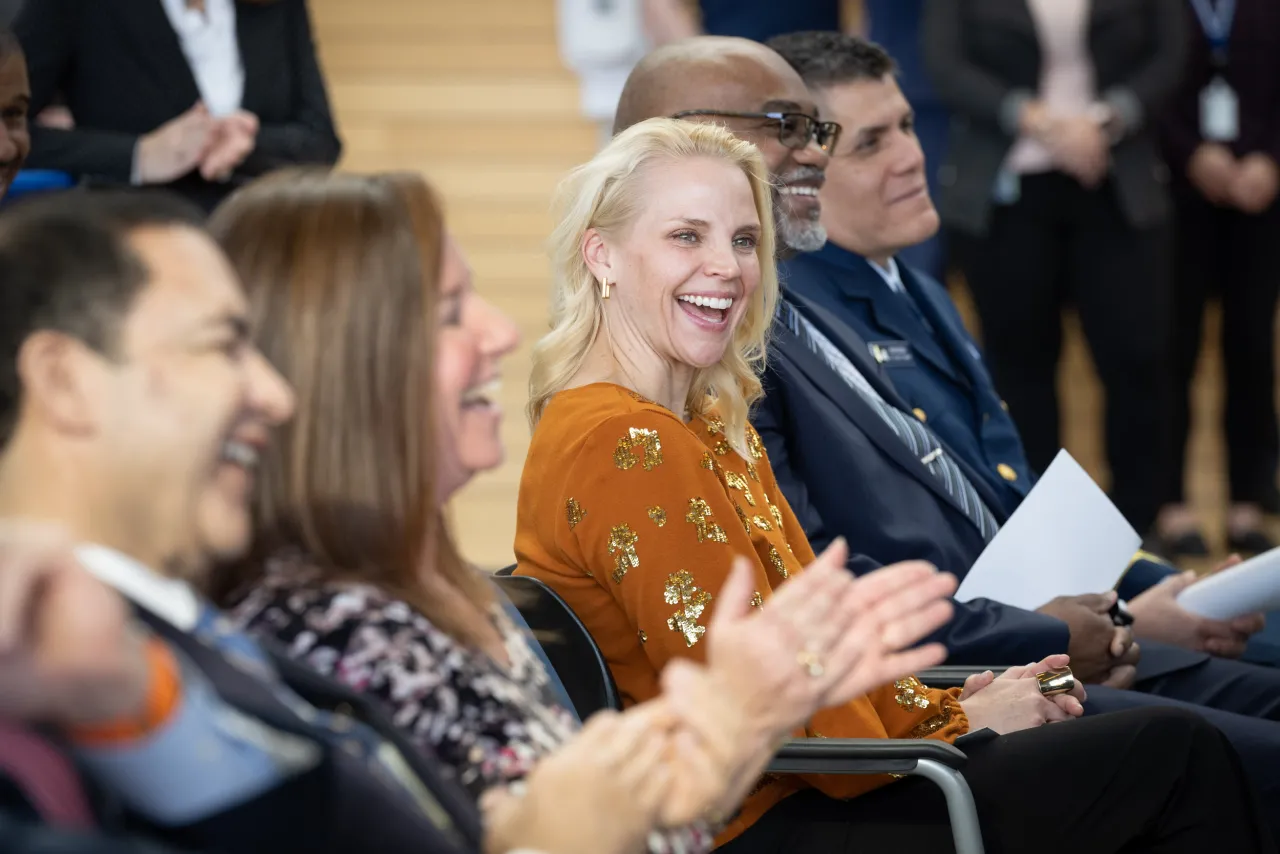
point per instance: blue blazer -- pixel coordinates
(938, 369)
(846, 473)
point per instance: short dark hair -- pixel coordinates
(66, 265)
(829, 58)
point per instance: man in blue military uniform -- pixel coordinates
(875, 203)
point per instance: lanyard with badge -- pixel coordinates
(1219, 105)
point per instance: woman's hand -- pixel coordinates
(1080, 149)
(825, 637)
(1012, 701)
(601, 793)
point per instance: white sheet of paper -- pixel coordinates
(1065, 539)
(1245, 588)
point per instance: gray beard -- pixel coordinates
(801, 235)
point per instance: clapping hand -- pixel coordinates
(68, 651)
(601, 793)
(825, 637)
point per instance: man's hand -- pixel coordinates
(176, 147)
(1213, 171)
(1101, 652)
(601, 793)
(1158, 616)
(234, 139)
(68, 652)
(1255, 184)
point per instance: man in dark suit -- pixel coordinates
(840, 440)
(132, 410)
(196, 95)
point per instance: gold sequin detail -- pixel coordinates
(622, 544)
(708, 462)
(700, 516)
(639, 398)
(751, 470)
(643, 637)
(715, 425)
(624, 456)
(680, 590)
(722, 447)
(776, 560)
(574, 512)
(658, 515)
(737, 481)
(777, 515)
(756, 599)
(911, 694)
(754, 445)
(761, 523)
(929, 726)
(742, 517)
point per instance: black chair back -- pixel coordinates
(567, 643)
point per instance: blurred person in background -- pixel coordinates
(194, 95)
(895, 26)
(1055, 194)
(1222, 140)
(15, 103)
(601, 42)
(758, 20)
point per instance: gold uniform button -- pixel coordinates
(1004, 406)
(919, 413)
(1007, 472)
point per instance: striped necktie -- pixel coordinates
(920, 440)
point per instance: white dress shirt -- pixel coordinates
(208, 40)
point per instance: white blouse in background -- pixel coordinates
(1067, 84)
(209, 42)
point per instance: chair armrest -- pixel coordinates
(861, 755)
(953, 675)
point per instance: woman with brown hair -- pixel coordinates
(364, 303)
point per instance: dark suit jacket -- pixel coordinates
(339, 806)
(984, 54)
(1253, 70)
(937, 368)
(121, 69)
(846, 473)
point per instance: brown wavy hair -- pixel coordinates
(342, 273)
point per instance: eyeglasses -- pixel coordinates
(795, 130)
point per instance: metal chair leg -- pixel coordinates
(960, 806)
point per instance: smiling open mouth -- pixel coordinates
(240, 454)
(712, 311)
(482, 396)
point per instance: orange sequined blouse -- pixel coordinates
(634, 517)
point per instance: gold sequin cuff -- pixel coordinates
(951, 715)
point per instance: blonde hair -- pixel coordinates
(604, 194)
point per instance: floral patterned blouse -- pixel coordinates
(488, 723)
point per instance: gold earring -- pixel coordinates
(605, 288)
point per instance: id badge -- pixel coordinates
(1219, 112)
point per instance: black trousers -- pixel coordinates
(1155, 780)
(1061, 244)
(1236, 256)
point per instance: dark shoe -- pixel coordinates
(1246, 543)
(1187, 544)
